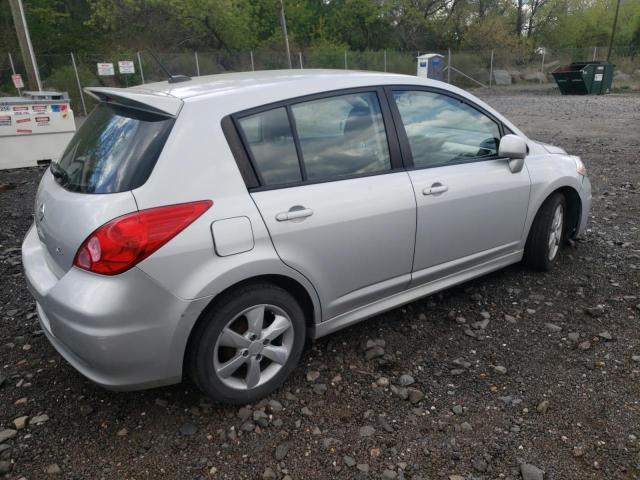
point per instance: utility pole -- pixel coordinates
(283, 22)
(613, 30)
(26, 48)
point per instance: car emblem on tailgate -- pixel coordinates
(41, 212)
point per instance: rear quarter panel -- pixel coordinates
(197, 164)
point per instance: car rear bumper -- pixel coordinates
(123, 332)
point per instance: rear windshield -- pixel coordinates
(113, 151)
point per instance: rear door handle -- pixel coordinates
(435, 189)
(294, 214)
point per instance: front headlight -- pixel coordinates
(580, 168)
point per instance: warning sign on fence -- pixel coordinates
(126, 66)
(16, 78)
(105, 69)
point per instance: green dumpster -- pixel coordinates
(584, 78)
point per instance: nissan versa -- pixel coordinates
(208, 227)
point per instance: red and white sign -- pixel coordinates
(5, 120)
(16, 78)
(42, 121)
(23, 120)
(39, 108)
(105, 69)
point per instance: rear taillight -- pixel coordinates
(125, 241)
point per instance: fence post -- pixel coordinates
(449, 67)
(345, 59)
(13, 70)
(140, 65)
(542, 66)
(385, 59)
(595, 53)
(300, 58)
(253, 68)
(197, 64)
(491, 70)
(75, 69)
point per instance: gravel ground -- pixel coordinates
(521, 372)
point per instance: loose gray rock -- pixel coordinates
(281, 451)
(466, 427)
(605, 335)
(7, 434)
(188, 429)
(349, 461)
(586, 345)
(366, 431)
(543, 406)
(457, 409)
(553, 328)
(20, 422)
(406, 380)
(635, 358)
(375, 352)
(312, 375)
(573, 336)
(415, 395)
(53, 469)
(269, 474)
(39, 419)
(401, 392)
(363, 467)
(389, 474)
(531, 472)
(500, 369)
(510, 318)
(461, 363)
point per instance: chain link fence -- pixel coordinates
(467, 69)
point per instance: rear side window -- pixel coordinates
(270, 141)
(113, 151)
(342, 135)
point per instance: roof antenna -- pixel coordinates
(172, 78)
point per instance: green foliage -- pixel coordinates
(63, 79)
(61, 26)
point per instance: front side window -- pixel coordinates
(341, 136)
(269, 138)
(443, 130)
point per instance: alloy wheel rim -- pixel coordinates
(253, 347)
(555, 233)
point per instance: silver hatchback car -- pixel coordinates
(209, 227)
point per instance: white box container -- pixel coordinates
(34, 128)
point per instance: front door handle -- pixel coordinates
(294, 213)
(435, 189)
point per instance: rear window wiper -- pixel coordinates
(59, 173)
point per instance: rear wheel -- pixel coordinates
(248, 344)
(547, 234)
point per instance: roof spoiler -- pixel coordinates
(155, 102)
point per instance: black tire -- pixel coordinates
(202, 342)
(537, 249)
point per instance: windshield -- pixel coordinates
(113, 151)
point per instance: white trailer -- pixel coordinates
(34, 128)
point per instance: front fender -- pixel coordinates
(549, 173)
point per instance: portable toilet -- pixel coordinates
(431, 65)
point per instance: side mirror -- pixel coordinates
(513, 148)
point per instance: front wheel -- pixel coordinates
(547, 234)
(248, 344)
